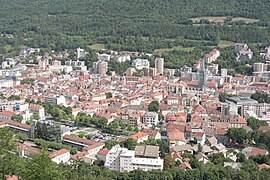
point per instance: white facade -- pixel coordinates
(150, 119)
(55, 99)
(80, 53)
(159, 65)
(104, 57)
(122, 159)
(141, 64)
(61, 158)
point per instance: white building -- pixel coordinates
(8, 82)
(159, 65)
(104, 57)
(80, 53)
(143, 157)
(259, 67)
(141, 64)
(55, 99)
(61, 156)
(122, 58)
(150, 119)
(35, 108)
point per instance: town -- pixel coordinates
(148, 118)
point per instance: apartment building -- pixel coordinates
(145, 158)
(150, 119)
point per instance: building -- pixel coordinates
(37, 109)
(141, 64)
(224, 73)
(60, 156)
(145, 158)
(6, 115)
(100, 67)
(104, 57)
(243, 52)
(159, 66)
(43, 64)
(92, 147)
(55, 99)
(150, 119)
(202, 77)
(76, 65)
(259, 67)
(80, 53)
(266, 53)
(9, 82)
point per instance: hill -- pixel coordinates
(66, 24)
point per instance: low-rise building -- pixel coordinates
(150, 119)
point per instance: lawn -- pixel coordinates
(223, 43)
(98, 46)
(174, 48)
(221, 19)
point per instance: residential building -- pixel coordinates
(80, 53)
(145, 158)
(150, 119)
(141, 64)
(35, 108)
(259, 67)
(104, 57)
(159, 66)
(55, 99)
(9, 82)
(60, 156)
(100, 67)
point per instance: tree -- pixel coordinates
(256, 123)
(13, 97)
(110, 143)
(237, 135)
(103, 122)
(17, 117)
(108, 95)
(36, 116)
(130, 143)
(8, 160)
(169, 162)
(153, 106)
(41, 167)
(21, 136)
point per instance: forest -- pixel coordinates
(124, 24)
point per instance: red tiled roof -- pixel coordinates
(138, 135)
(79, 155)
(185, 165)
(103, 152)
(58, 153)
(97, 144)
(6, 113)
(79, 140)
(176, 135)
(263, 166)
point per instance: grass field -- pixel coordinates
(174, 48)
(221, 19)
(98, 46)
(223, 44)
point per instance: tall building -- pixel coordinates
(224, 73)
(145, 158)
(80, 53)
(43, 64)
(202, 77)
(259, 67)
(150, 119)
(159, 65)
(100, 67)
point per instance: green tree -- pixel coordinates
(17, 117)
(108, 95)
(153, 106)
(256, 123)
(110, 143)
(130, 143)
(41, 167)
(21, 136)
(169, 162)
